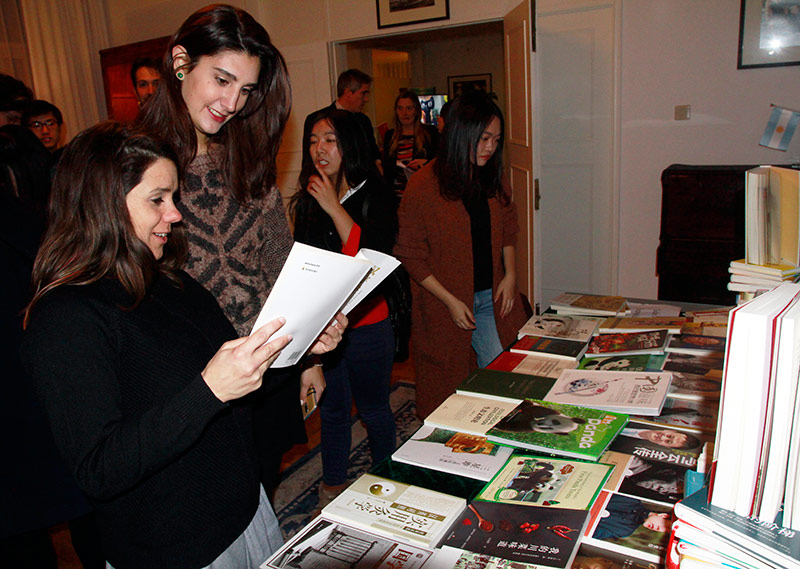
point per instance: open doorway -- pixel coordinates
(429, 60)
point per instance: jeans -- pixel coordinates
(359, 369)
(485, 340)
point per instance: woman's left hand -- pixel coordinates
(416, 164)
(311, 378)
(331, 336)
(321, 189)
(506, 294)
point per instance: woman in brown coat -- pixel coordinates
(458, 231)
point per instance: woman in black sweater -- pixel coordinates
(141, 375)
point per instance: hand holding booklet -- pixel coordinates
(313, 286)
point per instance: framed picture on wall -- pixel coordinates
(404, 12)
(458, 84)
(769, 33)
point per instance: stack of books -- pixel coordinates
(757, 455)
(751, 278)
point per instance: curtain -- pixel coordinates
(64, 38)
(13, 52)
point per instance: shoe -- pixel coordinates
(326, 495)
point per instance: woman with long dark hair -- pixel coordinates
(409, 145)
(458, 231)
(222, 103)
(342, 205)
(142, 376)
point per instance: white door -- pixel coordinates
(577, 239)
(519, 140)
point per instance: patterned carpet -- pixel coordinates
(296, 495)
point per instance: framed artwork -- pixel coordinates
(404, 12)
(769, 33)
(458, 84)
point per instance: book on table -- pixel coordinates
(697, 549)
(550, 348)
(617, 324)
(507, 386)
(717, 329)
(628, 343)
(685, 415)
(471, 414)
(589, 304)
(447, 557)
(555, 326)
(546, 482)
(336, 544)
(560, 429)
(778, 271)
(764, 540)
(695, 344)
(312, 287)
(631, 362)
(545, 537)
(639, 392)
(530, 364)
(450, 451)
(409, 513)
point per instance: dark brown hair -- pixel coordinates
(90, 234)
(250, 140)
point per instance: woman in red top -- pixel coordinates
(342, 205)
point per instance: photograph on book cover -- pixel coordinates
(769, 33)
(661, 444)
(406, 12)
(325, 543)
(695, 387)
(629, 525)
(693, 363)
(591, 557)
(685, 415)
(652, 480)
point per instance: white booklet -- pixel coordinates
(313, 286)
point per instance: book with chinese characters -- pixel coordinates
(694, 344)
(453, 452)
(330, 544)
(555, 326)
(547, 482)
(545, 537)
(640, 392)
(409, 513)
(628, 343)
(557, 428)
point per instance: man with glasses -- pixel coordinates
(45, 120)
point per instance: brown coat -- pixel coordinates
(435, 239)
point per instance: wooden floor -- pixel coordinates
(68, 559)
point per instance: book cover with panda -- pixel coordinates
(559, 429)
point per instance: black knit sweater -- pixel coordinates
(169, 468)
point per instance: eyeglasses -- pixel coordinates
(37, 125)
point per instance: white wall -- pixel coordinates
(684, 52)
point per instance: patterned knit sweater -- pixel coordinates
(236, 251)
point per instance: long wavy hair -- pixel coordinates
(250, 140)
(90, 235)
(421, 136)
(459, 178)
(357, 164)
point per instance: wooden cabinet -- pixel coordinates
(702, 231)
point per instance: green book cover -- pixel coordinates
(558, 428)
(507, 385)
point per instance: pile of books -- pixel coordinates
(756, 279)
(572, 454)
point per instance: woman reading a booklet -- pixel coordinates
(458, 232)
(343, 205)
(222, 103)
(142, 376)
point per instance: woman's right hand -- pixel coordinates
(461, 314)
(238, 366)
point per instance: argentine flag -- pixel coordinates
(780, 128)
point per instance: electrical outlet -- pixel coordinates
(683, 112)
